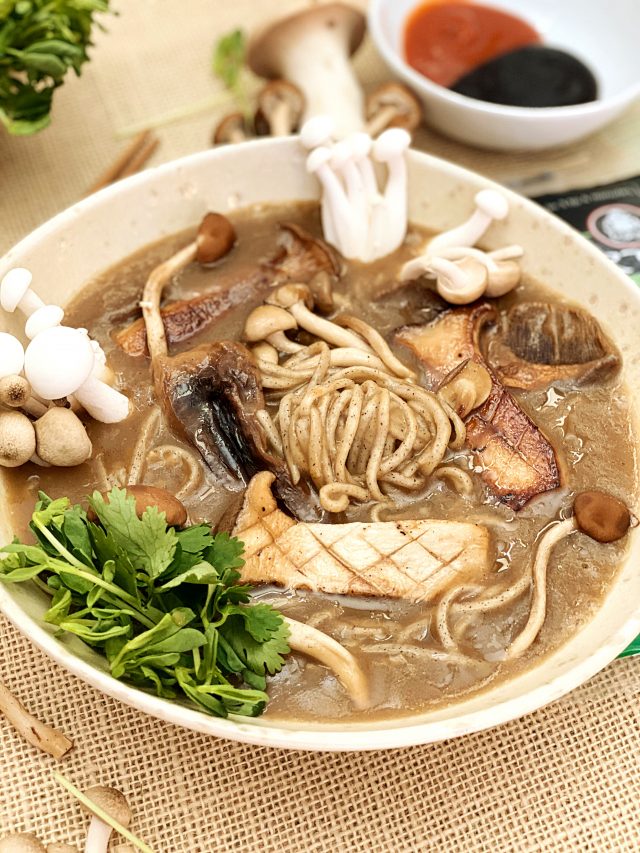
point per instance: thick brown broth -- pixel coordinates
(591, 432)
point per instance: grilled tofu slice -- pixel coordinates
(516, 458)
(413, 560)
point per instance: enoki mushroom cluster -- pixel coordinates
(350, 416)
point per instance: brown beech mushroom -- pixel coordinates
(21, 842)
(231, 129)
(312, 49)
(114, 803)
(269, 323)
(466, 387)
(61, 438)
(30, 728)
(61, 847)
(392, 105)
(17, 439)
(215, 239)
(146, 496)
(601, 516)
(280, 106)
(15, 393)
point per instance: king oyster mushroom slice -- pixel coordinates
(515, 458)
(312, 49)
(539, 343)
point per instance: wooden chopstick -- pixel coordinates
(140, 158)
(132, 159)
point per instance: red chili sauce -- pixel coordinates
(444, 41)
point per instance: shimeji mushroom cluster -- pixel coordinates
(462, 272)
(307, 59)
(361, 220)
(61, 371)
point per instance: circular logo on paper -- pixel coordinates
(616, 225)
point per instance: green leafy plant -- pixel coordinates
(40, 40)
(229, 65)
(164, 606)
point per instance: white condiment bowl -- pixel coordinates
(603, 35)
(101, 230)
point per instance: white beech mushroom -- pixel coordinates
(214, 239)
(280, 107)
(114, 803)
(491, 205)
(303, 638)
(11, 355)
(60, 361)
(21, 842)
(392, 105)
(312, 49)
(459, 282)
(61, 438)
(600, 516)
(30, 728)
(389, 217)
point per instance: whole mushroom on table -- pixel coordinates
(306, 57)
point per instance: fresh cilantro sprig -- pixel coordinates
(40, 40)
(164, 606)
(229, 65)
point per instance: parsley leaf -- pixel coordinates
(40, 41)
(148, 542)
(165, 607)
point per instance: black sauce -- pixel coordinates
(532, 76)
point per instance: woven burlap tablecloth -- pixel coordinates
(564, 778)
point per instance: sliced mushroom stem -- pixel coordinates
(38, 734)
(303, 638)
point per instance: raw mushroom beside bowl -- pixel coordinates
(103, 229)
(601, 35)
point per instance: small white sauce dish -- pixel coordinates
(603, 35)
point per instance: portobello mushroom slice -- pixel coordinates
(538, 344)
(211, 395)
(517, 460)
(298, 257)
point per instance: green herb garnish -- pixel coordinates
(164, 606)
(228, 64)
(40, 40)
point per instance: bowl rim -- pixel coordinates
(335, 737)
(528, 114)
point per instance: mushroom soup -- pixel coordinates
(401, 464)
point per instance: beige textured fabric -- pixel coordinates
(563, 779)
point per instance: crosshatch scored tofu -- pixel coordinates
(415, 560)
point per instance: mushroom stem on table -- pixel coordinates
(38, 734)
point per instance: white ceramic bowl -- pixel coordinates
(99, 231)
(604, 35)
